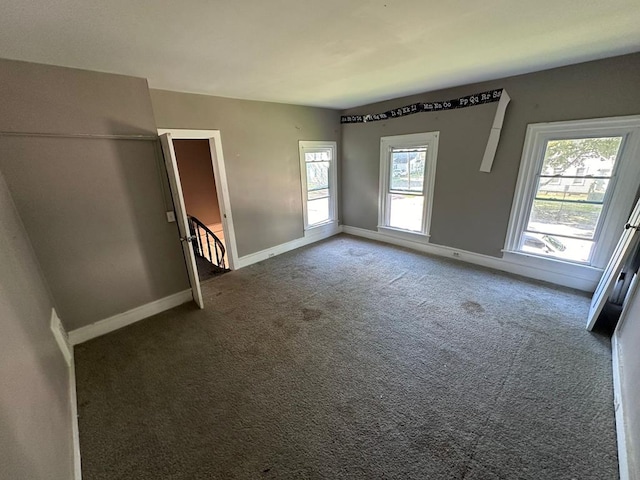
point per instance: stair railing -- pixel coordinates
(204, 248)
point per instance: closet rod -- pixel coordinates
(90, 136)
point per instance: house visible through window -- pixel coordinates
(318, 171)
(407, 172)
(580, 176)
(572, 189)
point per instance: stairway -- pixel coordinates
(208, 248)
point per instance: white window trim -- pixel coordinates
(430, 139)
(621, 193)
(307, 145)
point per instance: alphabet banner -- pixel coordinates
(420, 107)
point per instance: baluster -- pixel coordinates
(209, 247)
(221, 247)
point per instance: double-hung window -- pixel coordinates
(319, 183)
(407, 175)
(576, 186)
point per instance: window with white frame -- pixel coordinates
(407, 175)
(576, 186)
(319, 183)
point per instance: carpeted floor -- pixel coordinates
(350, 359)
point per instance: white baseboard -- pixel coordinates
(580, 278)
(77, 462)
(120, 320)
(309, 238)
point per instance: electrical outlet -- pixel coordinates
(456, 254)
(171, 217)
(271, 255)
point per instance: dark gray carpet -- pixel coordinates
(350, 359)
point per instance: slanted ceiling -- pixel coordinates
(331, 53)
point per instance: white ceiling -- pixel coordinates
(332, 53)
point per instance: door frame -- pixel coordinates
(220, 178)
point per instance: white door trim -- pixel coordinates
(220, 177)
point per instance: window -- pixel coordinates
(554, 179)
(319, 183)
(407, 174)
(580, 176)
(576, 186)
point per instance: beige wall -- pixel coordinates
(94, 209)
(35, 415)
(198, 183)
(260, 145)
(471, 209)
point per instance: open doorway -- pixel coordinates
(197, 178)
(200, 176)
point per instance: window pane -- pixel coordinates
(564, 218)
(590, 190)
(559, 247)
(407, 169)
(318, 211)
(317, 156)
(317, 175)
(564, 157)
(405, 212)
(315, 194)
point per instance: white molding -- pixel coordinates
(61, 337)
(120, 320)
(585, 278)
(220, 178)
(75, 431)
(621, 431)
(327, 229)
(309, 238)
(403, 234)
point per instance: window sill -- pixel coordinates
(321, 228)
(551, 264)
(403, 234)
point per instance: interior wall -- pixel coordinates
(198, 183)
(94, 209)
(470, 208)
(35, 414)
(260, 145)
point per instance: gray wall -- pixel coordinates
(471, 209)
(628, 336)
(260, 145)
(198, 183)
(35, 416)
(93, 209)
